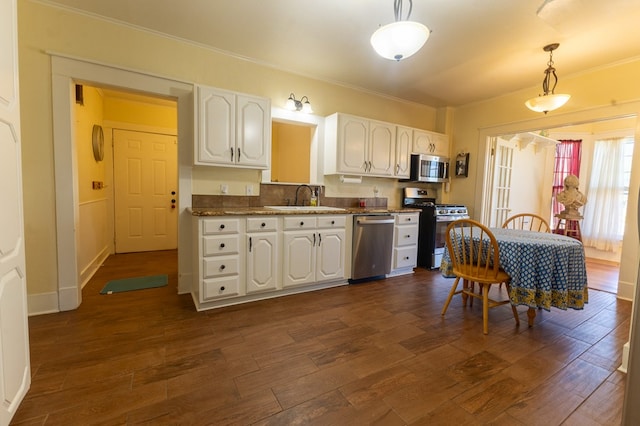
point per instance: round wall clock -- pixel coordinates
(97, 141)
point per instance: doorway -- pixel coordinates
(66, 72)
(533, 165)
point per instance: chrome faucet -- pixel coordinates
(295, 203)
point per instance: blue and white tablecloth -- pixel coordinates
(545, 269)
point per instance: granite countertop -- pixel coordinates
(247, 211)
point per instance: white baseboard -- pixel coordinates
(43, 303)
(626, 291)
(625, 358)
(90, 270)
(184, 283)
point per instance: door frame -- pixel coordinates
(66, 72)
(628, 273)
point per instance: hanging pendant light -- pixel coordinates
(400, 39)
(549, 100)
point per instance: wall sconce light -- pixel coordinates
(294, 104)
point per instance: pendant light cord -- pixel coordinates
(397, 9)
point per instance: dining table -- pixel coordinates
(546, 269)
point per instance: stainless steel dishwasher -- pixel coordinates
(372, 246)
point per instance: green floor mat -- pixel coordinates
(138, 283)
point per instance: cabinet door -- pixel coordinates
(353, 144)
(262, 257)
(440, 144)
(404, 137)
(216, 136)
(299, 258)
(330, 254)
(253, 138)
(422, 143)
(382, 146)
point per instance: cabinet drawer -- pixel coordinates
(299, 222)
(406, 236)
(405, 257)
(219, 266)
(217, 245)
(406, 219)
(256, 224)
(220, 226)
(219, 288)
(332, 221)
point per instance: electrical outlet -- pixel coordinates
(224, 188)
(249, 189)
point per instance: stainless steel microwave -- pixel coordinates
(429, 168)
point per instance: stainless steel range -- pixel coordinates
(434, 220)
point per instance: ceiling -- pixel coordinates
(478, 49)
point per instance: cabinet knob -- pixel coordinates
(222, 288)
(333, 222)
(301, 223)
(222, 226)
(222, 245)
(407, 236)
(263, 224)
(222, 267)
(406, 258)
(408, 219)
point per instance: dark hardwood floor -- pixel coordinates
(371, 353)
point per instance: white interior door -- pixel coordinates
(145, 191)
(502, 169)
(15, 374)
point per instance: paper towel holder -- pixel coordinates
(350, 179)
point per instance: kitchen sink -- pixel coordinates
(305, 208)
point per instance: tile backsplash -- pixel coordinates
(281, 195)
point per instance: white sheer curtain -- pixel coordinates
(601, 225)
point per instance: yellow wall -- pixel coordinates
(140, 113)
(598, 94)
(89, 170)
(290, 153)
(43, 29)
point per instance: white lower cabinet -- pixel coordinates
(218, 259)
(262, 254)
(405, 243)
(240, 259)
(313, 249)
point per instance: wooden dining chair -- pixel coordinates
(527, 221)
(475, 258)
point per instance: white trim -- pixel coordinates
(42, 303)
(65, 73)
(87, 273)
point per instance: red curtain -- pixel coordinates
(567, 162)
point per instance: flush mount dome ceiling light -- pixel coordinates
(548, 101)
(400, 39)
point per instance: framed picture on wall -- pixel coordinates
(462, 165)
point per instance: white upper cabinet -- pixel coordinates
(232, 130)
(382, 148)
(425, 142)
(404, 140)
(359, 146)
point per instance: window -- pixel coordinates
(567, 162)
(608, 193)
